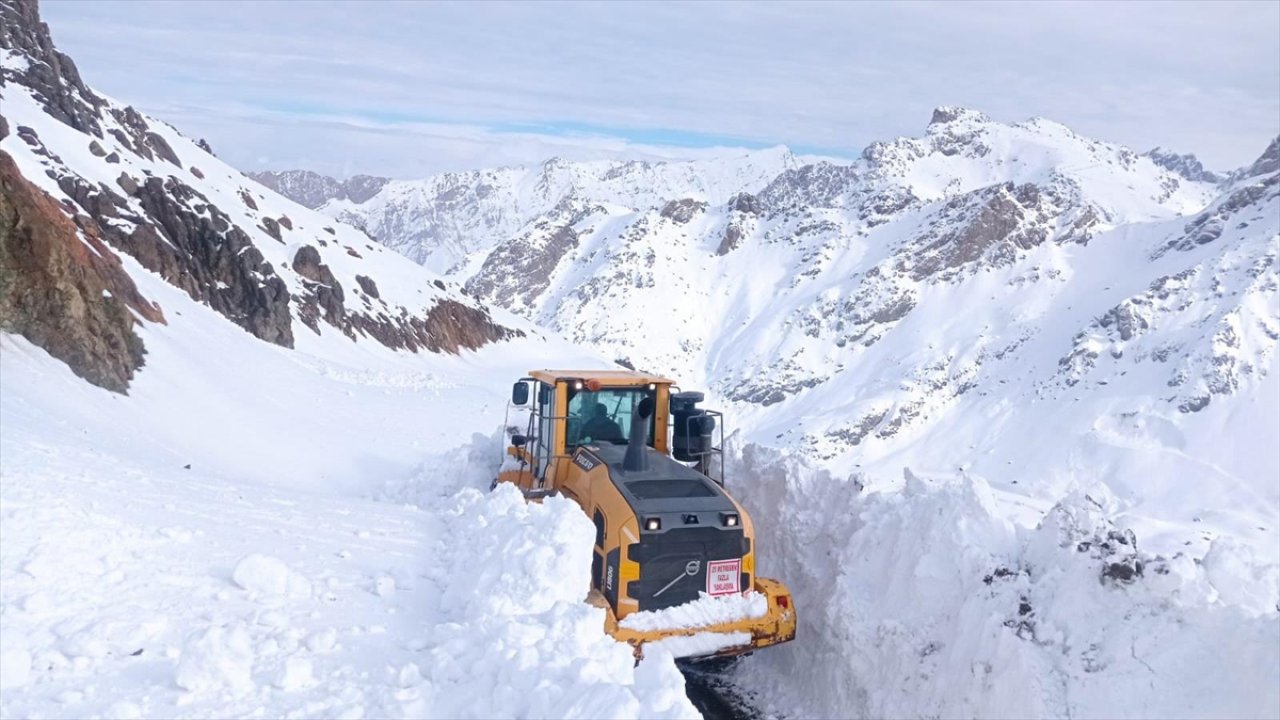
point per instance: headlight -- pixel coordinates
(729, 519)
(653, 524)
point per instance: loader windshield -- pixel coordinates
(604, 416)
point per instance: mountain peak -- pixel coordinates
(944, 114)
(1186, 165)
(1269, 162)
(313, 189)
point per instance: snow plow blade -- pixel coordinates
(777, 625)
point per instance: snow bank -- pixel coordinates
(467, 465)
(513, 636)
(928, 602)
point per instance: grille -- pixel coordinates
(664, 557)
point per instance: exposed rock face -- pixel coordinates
(211, 259)
(51, 74)
(1269, 162)
(359, 188)
(1002, 223)
(450, 326)
(518, 271)
(1186, 165)
(368, 286)
(949, 113)
(682, 211)
(66, 295)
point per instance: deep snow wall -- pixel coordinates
(930, 602)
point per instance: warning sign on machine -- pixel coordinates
(723, 577)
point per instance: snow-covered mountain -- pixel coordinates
(312, 189)
(451, 222)
(1004, 403)
(777, 282)
(141, 197)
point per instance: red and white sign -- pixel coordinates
(724, 577)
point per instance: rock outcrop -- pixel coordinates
(50, 73)
(63, 289)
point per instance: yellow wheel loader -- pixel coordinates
(672, 547)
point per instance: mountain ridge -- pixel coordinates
(798, 277)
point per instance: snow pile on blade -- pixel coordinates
(704, 611)
(930, 602)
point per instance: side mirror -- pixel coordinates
(520, 393)
(519, 440)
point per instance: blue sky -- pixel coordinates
(411, 88)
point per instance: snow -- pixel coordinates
(217, 659)
(929, 601)
(704, 611)
(1036, 524)
(264, 575)
(283, 573)
(698, 644)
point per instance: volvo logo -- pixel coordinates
(691, 568)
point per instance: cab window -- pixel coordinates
(604, 416)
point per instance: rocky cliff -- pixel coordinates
(143, 189)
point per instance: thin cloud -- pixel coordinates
(829, 76)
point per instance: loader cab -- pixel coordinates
(555, 412)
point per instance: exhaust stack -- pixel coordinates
(636, 459)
